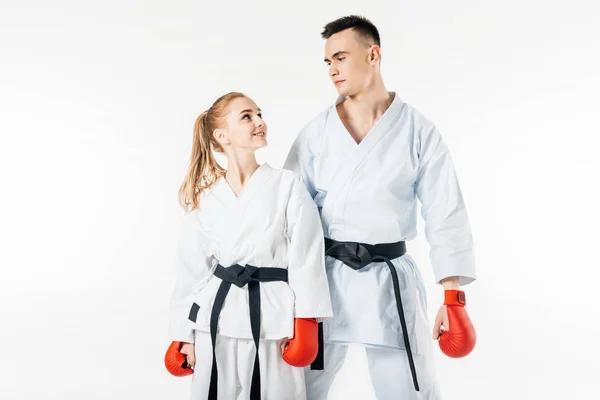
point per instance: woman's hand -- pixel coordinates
(190, 353)
(284, 344)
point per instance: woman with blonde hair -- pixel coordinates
(251, 284)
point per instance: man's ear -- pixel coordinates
(374, 54)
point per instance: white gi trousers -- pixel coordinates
(389, 370)
(235, 361)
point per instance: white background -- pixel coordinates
(97, 103)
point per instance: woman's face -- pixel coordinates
(244, 127)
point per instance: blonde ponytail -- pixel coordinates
(204, 170)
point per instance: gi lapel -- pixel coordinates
(234, 208)
(226, 194)
(354, 160)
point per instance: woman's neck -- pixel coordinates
(239, 170)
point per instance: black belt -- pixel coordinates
(240, 276)
(357, 256)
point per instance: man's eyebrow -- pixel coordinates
(336, 54)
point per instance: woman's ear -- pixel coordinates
(221, 136)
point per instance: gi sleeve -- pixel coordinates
(300, 159)
(193, 268)
(447, 227)
(306, 254)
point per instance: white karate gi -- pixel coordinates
(368, 193)
(273, 223)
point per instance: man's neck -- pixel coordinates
(369, 105)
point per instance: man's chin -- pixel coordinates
(342, 91)
(345, 91)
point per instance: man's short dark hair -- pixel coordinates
(361, 25)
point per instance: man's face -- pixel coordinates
(348, 57)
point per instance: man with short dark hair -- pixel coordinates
(366, 160)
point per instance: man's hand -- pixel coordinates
(459, 339)
(441, 324)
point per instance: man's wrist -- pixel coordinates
(451, 283)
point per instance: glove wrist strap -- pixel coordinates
(455, 298)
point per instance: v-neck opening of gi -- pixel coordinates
(248, 183)
(341, 99)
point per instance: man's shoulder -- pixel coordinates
(422, 127)
(316, 124)
(284, 178)
(311, 133)
(415, 116)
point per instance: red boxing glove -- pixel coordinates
(303, 348)
(175, 361)
(460, 339)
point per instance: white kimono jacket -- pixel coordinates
(368, 193)
(273, 223)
